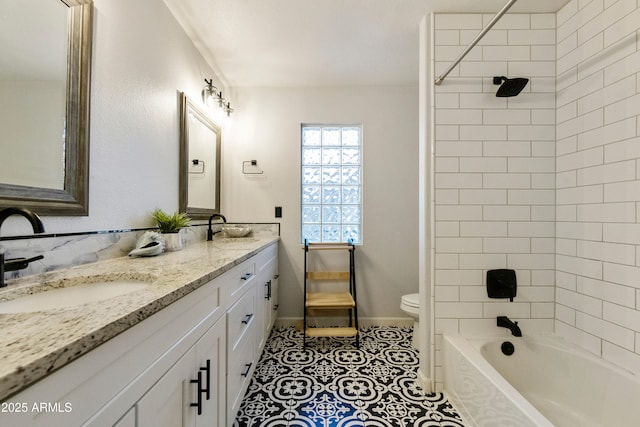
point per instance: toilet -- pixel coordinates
(410, 304)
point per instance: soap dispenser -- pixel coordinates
(502, 283)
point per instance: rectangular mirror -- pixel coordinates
(45, 60)
(200, 143)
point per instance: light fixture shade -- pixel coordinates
(228, 109)
(221, 100)
(208, 92)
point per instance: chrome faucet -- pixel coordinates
(505, 322)
(210, 231)
(18, 263)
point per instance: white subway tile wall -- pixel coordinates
(597, 300)
(546, 183)
(495, 174)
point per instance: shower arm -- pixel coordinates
(475, 41)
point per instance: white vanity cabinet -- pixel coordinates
(211, 358)
(143, 376)
(241, 351)
(128, 420)
(267, 294)
(192, 392)
(167, 404)
(247, 330)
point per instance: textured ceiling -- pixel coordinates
(319, 42)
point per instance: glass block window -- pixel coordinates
(331, 183)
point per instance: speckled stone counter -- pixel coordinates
(33, 345)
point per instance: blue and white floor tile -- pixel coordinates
(333, 384)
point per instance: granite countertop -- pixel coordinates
(33, 345)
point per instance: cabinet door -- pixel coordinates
(271, 297)
(128, 420)
(241, 365)
(211, 355)
(274, 300)
(263, 296)
(168, 402)
(267, 312)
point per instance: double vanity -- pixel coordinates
(170, 340)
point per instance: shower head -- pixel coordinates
(509, 87)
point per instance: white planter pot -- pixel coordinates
(173, 241)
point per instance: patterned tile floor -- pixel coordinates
(333, 384)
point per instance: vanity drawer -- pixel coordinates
(240, 318)
(265, 257)
(236, 281)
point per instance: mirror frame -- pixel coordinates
(187, 105)
(74, 199)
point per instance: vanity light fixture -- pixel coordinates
(211, 96)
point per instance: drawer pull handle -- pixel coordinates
(246, 276)
(207, 369)
(198, 404)
(246, 372)
(247, 318)
(268, 286)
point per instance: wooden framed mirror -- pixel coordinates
(57, 184)
(200, 145)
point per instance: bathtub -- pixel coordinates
(545, 382)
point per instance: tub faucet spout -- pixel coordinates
(505, 322)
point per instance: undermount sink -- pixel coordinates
(71, 296)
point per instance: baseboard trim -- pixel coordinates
(424, 382)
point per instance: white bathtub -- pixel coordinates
(546, 382)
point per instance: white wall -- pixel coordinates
(493, 183)
(494, 174)
(142, 59)
(598, 179)
(266, 128)
(426, 204)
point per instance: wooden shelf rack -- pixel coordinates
(316, 301)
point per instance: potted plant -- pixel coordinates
(170, 226)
